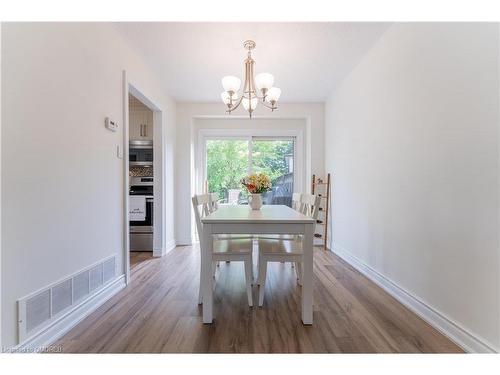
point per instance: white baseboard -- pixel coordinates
(459, 335)
(169, 246)
(184, 242)
(74, 316)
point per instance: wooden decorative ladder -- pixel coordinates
(322, 189)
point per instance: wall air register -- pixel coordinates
(40, 309)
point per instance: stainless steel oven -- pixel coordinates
(141, 232)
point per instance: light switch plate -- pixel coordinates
(119, 151)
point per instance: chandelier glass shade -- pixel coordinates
(255, 89)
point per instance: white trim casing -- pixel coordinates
(458, 334)
(0, 186)
(126, 224)
(159, 188)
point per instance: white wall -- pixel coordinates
(187, 130)
(412, 142)
(62, 183)
(1, 342)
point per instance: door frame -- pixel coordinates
(159, 210)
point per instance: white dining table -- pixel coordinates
(270, 219)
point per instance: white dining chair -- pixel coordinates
(297, 201)
(213, 202)
(233, 196)
(213, 205)
(226, 249)
(285, 250)
(309, 203)
(297, 206)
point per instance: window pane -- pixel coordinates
(227, 164)
(275, 158)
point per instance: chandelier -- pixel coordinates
(255, 90)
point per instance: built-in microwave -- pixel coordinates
(141, 153)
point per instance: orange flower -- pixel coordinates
(257, 183)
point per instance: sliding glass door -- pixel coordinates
(274, 157)
(227, 163)
(229, 159)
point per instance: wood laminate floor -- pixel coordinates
(158, 313)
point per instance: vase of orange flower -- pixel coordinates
(256, 184)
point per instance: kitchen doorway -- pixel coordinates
(144, 214)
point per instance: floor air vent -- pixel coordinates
(40, 309)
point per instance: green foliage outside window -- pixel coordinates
(269, 157)
(227, 162)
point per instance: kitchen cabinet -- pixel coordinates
(141, 125)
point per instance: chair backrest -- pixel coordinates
(296, 203)
(201, 207)
(233, 195)
(214, 202)
(310, 205)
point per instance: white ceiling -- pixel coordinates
(307, 59)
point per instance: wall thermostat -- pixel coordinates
(110, 124)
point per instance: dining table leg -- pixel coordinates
(206, 273)
(307, 275)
